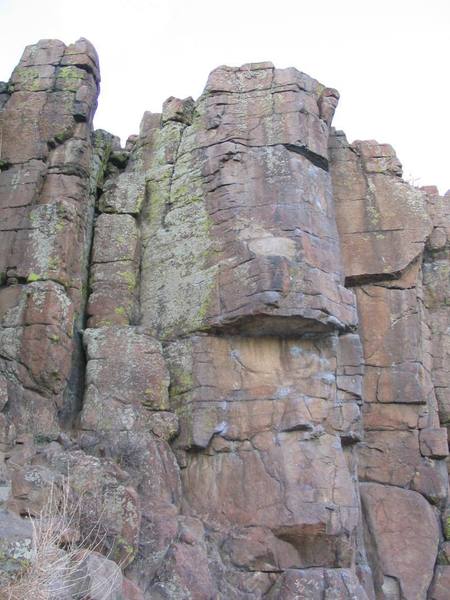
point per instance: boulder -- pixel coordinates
(405, 534)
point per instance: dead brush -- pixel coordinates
(58, 568)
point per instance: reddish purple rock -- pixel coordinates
(229, 340)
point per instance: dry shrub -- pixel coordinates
(60, 565)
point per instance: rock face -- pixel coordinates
(228, 340)
(394, 243)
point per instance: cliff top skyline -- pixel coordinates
(384, 59)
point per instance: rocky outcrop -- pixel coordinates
(393, 240)
(224, 229)
(227, 340)
(47, 201)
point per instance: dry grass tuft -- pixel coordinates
(62, 566)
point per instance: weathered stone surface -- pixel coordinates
(393, 514)
(400, 282)
(124, 195)
(391, 417)
(30, 488)
(130, 591)
(15, 544)
(390, 457)
(114, 271)
(45, 139)
(101, 500)
(124, 416)
(317, 584)
(436, 299)
(176, 577)
(116, 238)
(96, 577)
(51, 570)
(431, 480)
(238, 206)
(175, 109)
(236, 387)
(441, 584)
(241, 380)
(396, 353)
(36, 352)
(113, 296)
(126, 376)
(46, 206)
(383, 221)
(269, 482)
(434, 442)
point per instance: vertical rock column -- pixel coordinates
(115, 256)
(125, 418)
(436, 283)
(46, 205)
(50, 169)
(242, 281)
(384, 227)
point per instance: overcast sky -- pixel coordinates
(389, 59)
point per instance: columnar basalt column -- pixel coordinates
(385, 227)
(241, 217)
(436, 284)
(242, 280)
(46, 202)
(50, 169)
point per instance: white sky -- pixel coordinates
(389, 59)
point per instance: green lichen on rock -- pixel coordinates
(53, 263)
(447, 528)
(26, 79)
(181, 381)
(374, 215)
(41, 439)
(15, 545)
(69, 78)
(123, 553)
(105, 323)
(155, 397)
(63, 136)
(130, 279)
(177, 278)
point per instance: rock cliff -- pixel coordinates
(230, 339)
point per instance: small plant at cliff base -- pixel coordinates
(57, 567)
